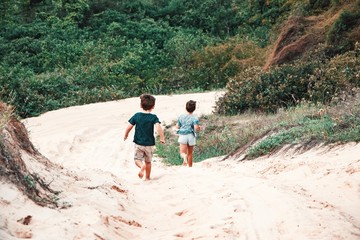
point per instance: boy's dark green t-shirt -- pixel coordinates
(144, 128)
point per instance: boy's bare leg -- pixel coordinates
(147, 170)
(141, 166)
(190, 155)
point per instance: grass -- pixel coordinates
(306, 124)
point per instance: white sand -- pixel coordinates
(314, 195)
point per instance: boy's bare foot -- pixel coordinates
(142, 170)
(147, 179)
(141, 173)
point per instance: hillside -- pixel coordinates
(72, 53)
(68, 173)
(288, 195)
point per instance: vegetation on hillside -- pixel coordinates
(269, 56)
(251, 135)
(15, 145)
(61, 53)
(306, 93)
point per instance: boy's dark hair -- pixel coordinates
(191, 106)
(147, 101)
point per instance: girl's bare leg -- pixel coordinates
(183, 153)
(142, 166)
(184, 157)
(190, 150)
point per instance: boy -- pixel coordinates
(187, 125)
(144, 139)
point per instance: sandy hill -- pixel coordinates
(86, 185)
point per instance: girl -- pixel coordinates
(187, 125)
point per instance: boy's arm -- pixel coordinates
(160, 132)
(127, 130)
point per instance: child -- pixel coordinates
(188, 125)
(144, 139)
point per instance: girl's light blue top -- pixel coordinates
(186, 123)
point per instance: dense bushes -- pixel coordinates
(56, 54)
(338, 36)
(33, 94)
(321, 75)
(316, 80)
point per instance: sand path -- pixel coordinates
(314, 195)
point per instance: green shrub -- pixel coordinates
(336, 36)
(319, 4)
(270, 144)
(257, 90)
(321, 129)
(316, 80)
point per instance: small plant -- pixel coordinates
(30, 182)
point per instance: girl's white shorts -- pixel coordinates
(188, 139)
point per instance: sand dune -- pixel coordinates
(313, 195)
